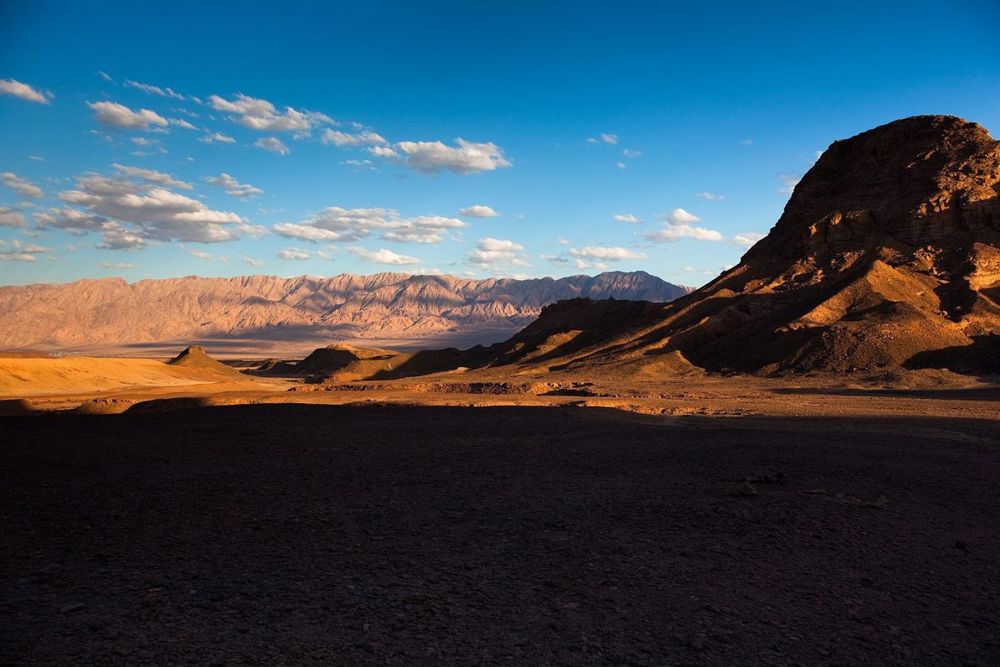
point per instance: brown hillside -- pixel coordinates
(887, 255)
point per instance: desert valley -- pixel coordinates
(862, 329)
(452, 333)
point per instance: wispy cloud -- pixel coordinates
(605, 253)
(383, 256)
(217, 138)
(606, 138)
(492, 252)
(131, 213)
(22, 186)
(152, 176)
(154, 90)
(679, 224)
(10, 217)
(293, 254)
(478, 211)
(747, 239)
(433, 156)
(350, 139)
(259, 114)
(112, 114)
(788, 183)
(233, 187)
(17, 251)
(272, 144)
(337, 224)
(24, 91)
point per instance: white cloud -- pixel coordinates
(383, 152)
(339, 224)
(180, 122)
(272, 144)
(627, 217)
(10, 217)
(112, 114)
(105, 76)
(250, 261)
(307, 232)
(153, 90)
(72, 220)
(152, 176)
(789, 181)
(478, 211)
(24, 91)
(490, 251)
(262, 115)
(201, 254)
(383, 256)
(584, 264)
(347, 139)
(217, 137)
(16, 251)
(680, 225)
(608, 254)
(468, 157)
(747, 239)
(607, 138)
(118, 265)
(694, 269)
(233, 187)
(629, 153)
(681, 217)
(746, 142)
(361, 164)
(293, 254)
(709, 196)
(23, 187)
(116, 236)
(620, 165)
(129, 214)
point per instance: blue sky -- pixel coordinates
(474, 139)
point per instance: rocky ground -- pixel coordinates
(425, 534)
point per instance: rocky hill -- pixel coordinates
(887, 256)
(254, 313)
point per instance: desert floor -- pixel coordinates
(599, 523)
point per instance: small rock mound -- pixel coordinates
(332, 358)
(195, 356)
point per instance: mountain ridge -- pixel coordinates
(105, 313)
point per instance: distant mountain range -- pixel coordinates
(264, 313)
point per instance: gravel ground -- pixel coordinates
(393, 534)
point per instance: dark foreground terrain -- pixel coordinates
(290, 533)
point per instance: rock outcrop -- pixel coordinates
(887, 255)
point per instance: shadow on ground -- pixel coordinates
(283, 533)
